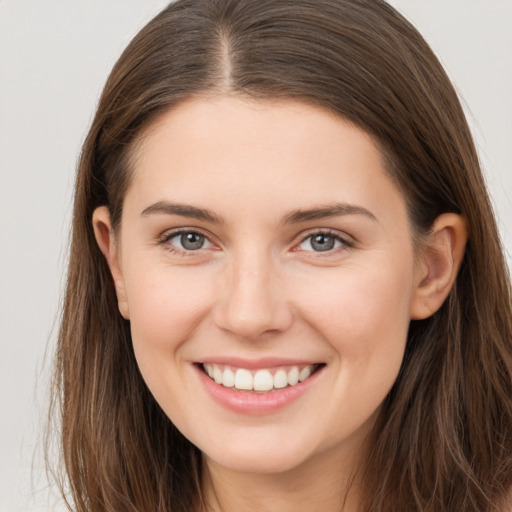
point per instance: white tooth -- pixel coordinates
(209, 370)
(263, 381)
(217, 374)
(293, 376)
(243, 379)
(280, 379)
(305, 373)
(228, 378)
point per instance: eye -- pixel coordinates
(322, 242)
(187, 241)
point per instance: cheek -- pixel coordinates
(361, 311)
(166, 306)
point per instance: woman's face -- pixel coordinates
(261, 242)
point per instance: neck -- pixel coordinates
(325, 482)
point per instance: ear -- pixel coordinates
(438, 263)
(106, 241)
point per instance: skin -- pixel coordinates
(258, 288)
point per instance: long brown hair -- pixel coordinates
(444, 438)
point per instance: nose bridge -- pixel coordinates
(254, 300)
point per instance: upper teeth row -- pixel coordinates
(262, 380)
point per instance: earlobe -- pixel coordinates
(105, 239)
(438, 264)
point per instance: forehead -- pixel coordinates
(242, 151)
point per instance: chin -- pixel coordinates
(257, 462)
(261, 456)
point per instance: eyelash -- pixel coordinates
(165, 239)
(344, 242)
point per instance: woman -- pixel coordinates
(286, 289)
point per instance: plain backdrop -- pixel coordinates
(54, 58)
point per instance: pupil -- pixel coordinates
(322, 242)
(192, 241)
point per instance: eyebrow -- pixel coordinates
(294, 217)
(183, 210)
(324, 212)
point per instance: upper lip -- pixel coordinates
(253, 364)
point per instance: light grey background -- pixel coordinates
(54, 58)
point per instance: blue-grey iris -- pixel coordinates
(322, 242)
(192, 241)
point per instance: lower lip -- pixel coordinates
(255, 403)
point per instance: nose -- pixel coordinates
(253, 299)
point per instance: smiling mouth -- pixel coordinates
(262, 380)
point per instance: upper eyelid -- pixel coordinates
(171, 233)
(344, 237)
